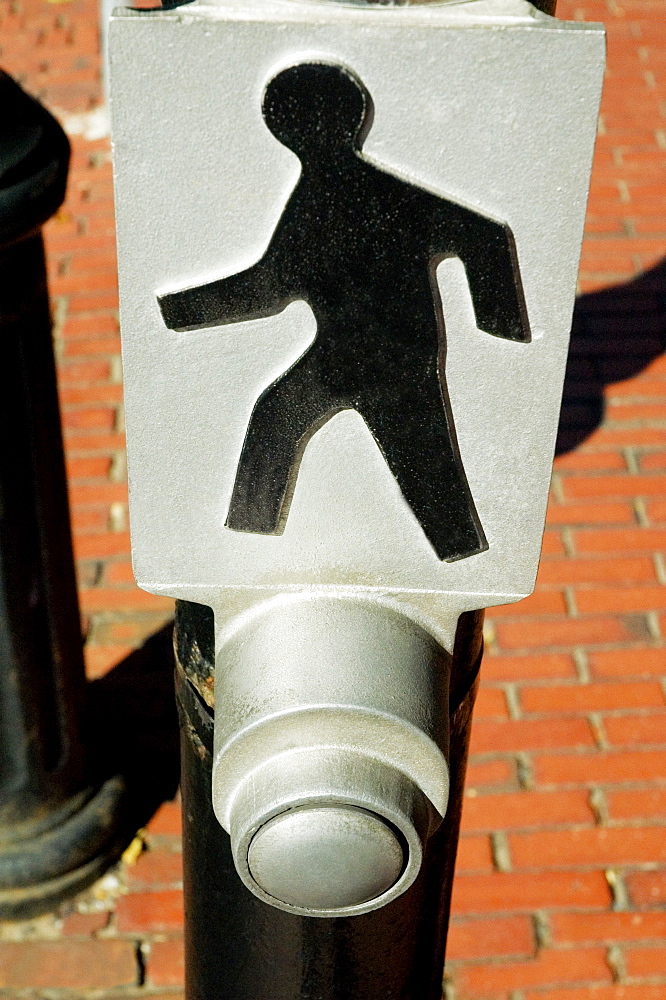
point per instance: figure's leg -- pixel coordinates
(284, 418)
(415, 432)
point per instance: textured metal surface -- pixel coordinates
(360, 247)
(501, 120)
(239, 948)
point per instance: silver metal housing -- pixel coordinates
(324, 702)
(332, 668)
(491, 104)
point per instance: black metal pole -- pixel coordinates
(239, 948)
(60, 823)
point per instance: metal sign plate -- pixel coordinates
(269, 447)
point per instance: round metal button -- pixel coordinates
(325, 857)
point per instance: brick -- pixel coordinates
(491, 772)
(550, 967)
(596, 224)
(590, 513)
(97, 599)
(600, 846)
(102, 280)
(84, 924)
(576, 487)
(528, 734)
(103, 493)
(624, 992)
(656, 511)
(101, 659)
(490, 938)
(655, 459)
(160, 910)
(520, 810)
(644, 803)
(474, 854)
(490, 703)
(551, 544)
(156, 869)
(77, 443)
(583, 631)
(75, 243)
(84, 372)
(646, 961)
(80, 395)
(95, 301)
(167, 820)
(576, 571)
(119, 572)
(89, 348)
(628, 663)
(652, 224)
(510, 668)
(589, 281)
(86, 520)
(591, 697)
(598, 928)
(636, 411)
(647, 889)
(621, 600)
(595, 461)
(99, 418)
(101, 546)
(633, 729)
(633, 437)
(641, 387)
(521, 892)
(165, 963)
(84, 326)
(88, 468)
(67, 964)
(605, 767)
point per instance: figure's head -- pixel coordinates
(313, 108)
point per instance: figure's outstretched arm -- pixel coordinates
(487, 249)
(247, 295)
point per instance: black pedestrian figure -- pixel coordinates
(360, 246)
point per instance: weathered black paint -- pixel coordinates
(360, 246)
(239, 948)
(59, 821)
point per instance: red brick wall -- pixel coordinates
(561, 885)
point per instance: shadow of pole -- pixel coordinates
(616, 333)
(133, 725)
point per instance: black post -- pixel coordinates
(60, 823)
(239, 948)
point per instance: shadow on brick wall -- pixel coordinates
(616, 333)
(134, 724)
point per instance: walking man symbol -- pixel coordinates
(360, 246)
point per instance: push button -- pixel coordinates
(326, 858)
